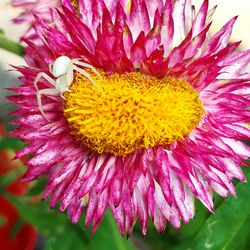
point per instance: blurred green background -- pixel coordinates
(228, 228)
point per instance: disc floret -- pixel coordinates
(131, 111)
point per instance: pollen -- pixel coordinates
(131, 111)
(75, 3)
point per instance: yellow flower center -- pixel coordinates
(75, 3)
(131, 111)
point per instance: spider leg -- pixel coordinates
(45, 76)
(86, 74)
(70, 74)
(86, 65)
(62, 96)
(39, 99)
(51, 68)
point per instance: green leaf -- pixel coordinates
(62, 234)
(11, 143)
(11, 46)
(45, 220)
(229, 227)
(72, 235)
(194, 225)
(37, 188)
(17, 226)
(108, 236)
(2, 220)
(156, 241)
(8, 179)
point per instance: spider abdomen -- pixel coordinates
(60, 66)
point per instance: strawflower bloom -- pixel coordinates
(29, 8)
(158, 121)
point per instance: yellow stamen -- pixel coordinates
(75, 4)
(128, 6)
(131, 111)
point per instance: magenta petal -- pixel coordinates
(138, 52)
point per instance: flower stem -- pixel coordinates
(11, 46)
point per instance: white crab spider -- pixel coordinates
(63, 69)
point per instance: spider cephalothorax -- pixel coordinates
(63, 70)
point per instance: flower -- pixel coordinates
(31, 7)
(26, 235)
(158, 123)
